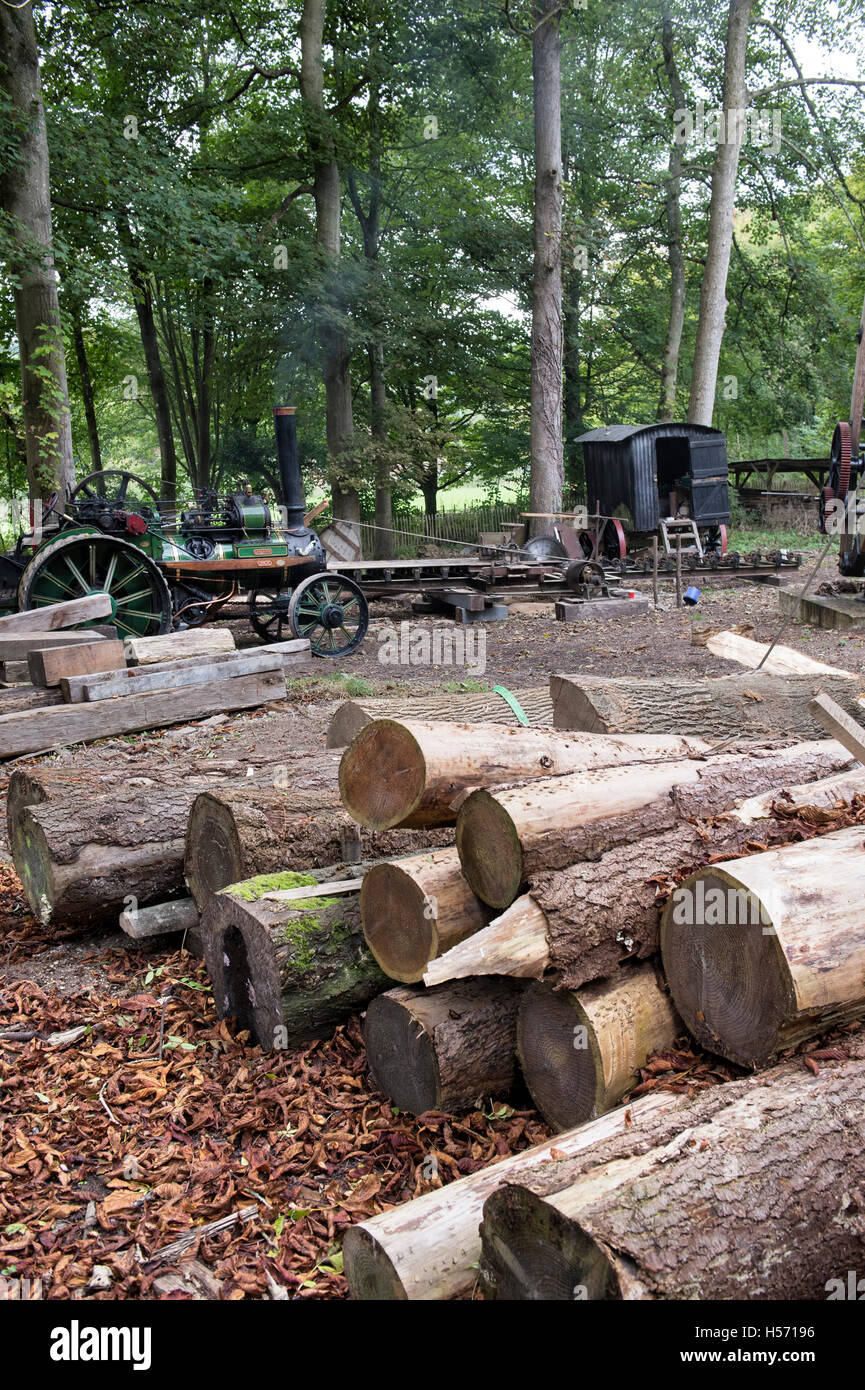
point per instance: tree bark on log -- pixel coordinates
(508, 835)
(586, 920)
(579, 1051)
(411, 773)
(354, 715)
(516, 943)
(428, 1248)
(754, 705)
(236, 833)
(414, 909)
(86, 861)
(442, 1049)
(732, 1200)
(287, 971)
(764, 952)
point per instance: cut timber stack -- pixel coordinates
(585, 920)
(755, 705)
(191, 686)
(724, 1196)
(764, 952)
(412, 773)
(491, 708)
(291, 970)
(429, 1248)
(507, 835)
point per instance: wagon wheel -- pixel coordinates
(268, 613)
(113, 485)
(331, 611)
(74, 565)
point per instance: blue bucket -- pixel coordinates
(691, 596)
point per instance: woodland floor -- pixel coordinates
(111, 1147)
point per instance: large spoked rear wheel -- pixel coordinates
(331, 611)
(72, 566)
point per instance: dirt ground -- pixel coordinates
(129, 1115)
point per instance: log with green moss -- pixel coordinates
(288, 971)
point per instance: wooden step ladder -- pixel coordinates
(680, 530)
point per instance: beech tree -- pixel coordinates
(25, 197)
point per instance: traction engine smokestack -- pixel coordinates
(289, 466)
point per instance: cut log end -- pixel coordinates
(382, 775)
(489, 850)
(726, 970)
(530, 1251)
(370, 1272)
(241, 965)
(35, 868)
(218, 858)
(389, 895)
(558, 1051)
(401, 1056)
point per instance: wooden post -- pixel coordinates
(655, 571)
(678, 571)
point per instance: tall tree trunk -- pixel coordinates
(86, 384)
(574, 469)
(672, 192)
(547, 460)
(25, 197)
(383, 546)
(713, 293)
(326, 192)
(144, 311)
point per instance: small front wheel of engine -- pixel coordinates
(331, 611)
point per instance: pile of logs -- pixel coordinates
(68, 684)
(541, 907)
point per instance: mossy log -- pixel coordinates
(287, 972)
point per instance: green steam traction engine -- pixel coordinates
(170, 565)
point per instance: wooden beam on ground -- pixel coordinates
(839, 725)
(784, 661)
(179, 915)
(19, 646)
(58, 615)
(81, 723)
(139, 680)
(178, 646)
(49, 665)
